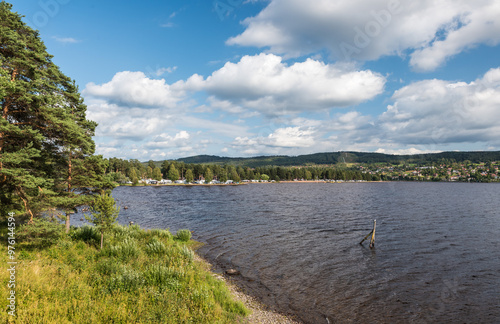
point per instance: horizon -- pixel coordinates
(258, 156)
(275, 77)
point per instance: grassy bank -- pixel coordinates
(139, 277)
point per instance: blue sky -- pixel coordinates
(170, 79)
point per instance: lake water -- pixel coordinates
(436, 257)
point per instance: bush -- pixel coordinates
(107, 267)
(183, 235)
(126, 250)
(41, 232)
(188, 254)
(87, 234)
(160, 276)
(127, 280)
(155, 247)
(161, 233)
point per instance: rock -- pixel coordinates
(232, 272)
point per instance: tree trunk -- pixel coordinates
(102, 239)
(67, 222)
(69, 190)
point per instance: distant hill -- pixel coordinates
(344, 157)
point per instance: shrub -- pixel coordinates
(188, 254)
(41, 232)
(127, 280)
(155, 247)
(159, 276)
(183, 235)
(126, 250)
(87, 234)
(107, 267)
(161, 233)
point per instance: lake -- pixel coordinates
(436, 257)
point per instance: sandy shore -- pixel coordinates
(260, 312)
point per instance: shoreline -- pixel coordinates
(261, 313)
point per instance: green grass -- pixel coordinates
(139, 277)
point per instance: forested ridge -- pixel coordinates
(347, 157)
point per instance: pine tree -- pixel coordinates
(42, 125)
(104, 213)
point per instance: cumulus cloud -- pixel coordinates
(282, 138)
(424, 117)
(136, 89)
(266, 84)
(368, 30)
(438, 111)
(181, 139)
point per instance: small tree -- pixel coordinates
(234, 176)
(157, 174)
(133, 177)
(189, 176)
(173, 174)
(103, 213)
(209, 176)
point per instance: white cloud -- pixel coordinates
(437, 111)
(425, 117)
(135, 89)
(405, 151)
(181, 139)
(264, 83)
(66, 40)
(431, 31)
(285, 139)
(163, 70)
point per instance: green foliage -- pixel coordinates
(126, 250)
(103, 213)
(173, 174)
(189, 176)
(157, 174)
(183, 235)
(161, 276)
(126, 279)
(45, 136)
(73, 282)
(161, 233)
(40, 233)
(208, 175)
(86, 233)
(155, 247)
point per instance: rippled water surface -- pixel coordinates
(436, 259)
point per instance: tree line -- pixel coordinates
(133, 170)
